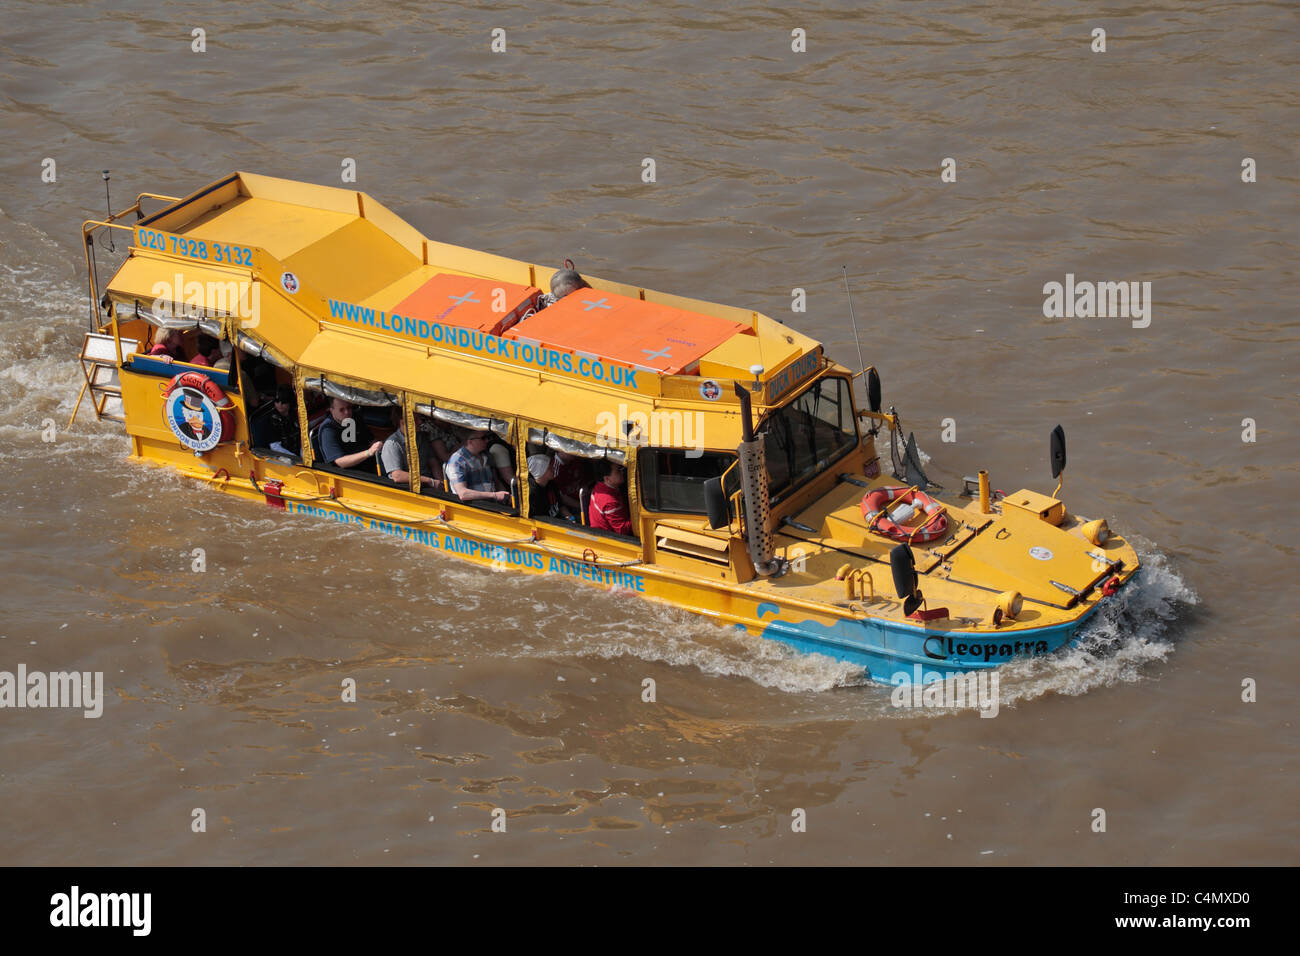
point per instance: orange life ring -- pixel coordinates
(201, 382)
(929, 522)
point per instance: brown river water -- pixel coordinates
(481, 690)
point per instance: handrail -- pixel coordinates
(89, 226)
(92, 270)
(734, 501)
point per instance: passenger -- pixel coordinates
(441, 440)
(503, 462)
(570, 477)
(562, 283)
(609, 510)
(469, 473)
(209, 352)
(276, 427)
(261, 374)
(543, 470)
(224, 361)
(169, 347)
(394, 461)
(354, 455)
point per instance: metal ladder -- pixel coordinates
(99, 368)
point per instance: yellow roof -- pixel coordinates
(330, 266)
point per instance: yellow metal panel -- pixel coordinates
(1022, 552)
(1043, 507)
(772, 330)
(279, 319)
(189, 207)
(280, 228)
(144, 278)
(288, 191)
(388, 297)
(734, 357)
(699, 540)
(395, 226)
(471, 262)
(353, 262)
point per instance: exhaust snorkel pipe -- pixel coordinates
(753, 483)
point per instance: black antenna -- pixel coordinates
(109, 203)
(852, 318)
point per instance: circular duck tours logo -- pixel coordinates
(193, 419)
(1042, 554)
(711, 390)
(289, 282)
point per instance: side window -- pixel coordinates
(480, 466)
(558, 484)
(317, 406)
(608, 507)
(803, 436)
(260, 381)
(578, 481)
(437, 441)
(673, 482)
(397, 461)
(272, 406)
(348, 436)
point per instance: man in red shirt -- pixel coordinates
(608, 510)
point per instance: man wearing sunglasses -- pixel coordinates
(470, 473)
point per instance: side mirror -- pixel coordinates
(903, 564)
(1058, 451)
(873, 389)
(715, 504)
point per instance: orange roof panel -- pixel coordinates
(630, 331)
(472, 303)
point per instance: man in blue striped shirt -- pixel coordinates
(470, 474)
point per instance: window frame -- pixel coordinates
(646, 454)
(414, 400)
(820, 466)
(527, 426)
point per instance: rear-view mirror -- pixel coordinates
(715, 504)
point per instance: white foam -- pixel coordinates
(884, 448)
(42, 318)
(615, 625)
(1128, 633)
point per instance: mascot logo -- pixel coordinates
(193, 419)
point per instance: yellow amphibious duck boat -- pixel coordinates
(756, 493)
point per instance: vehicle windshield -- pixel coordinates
(803, 437)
